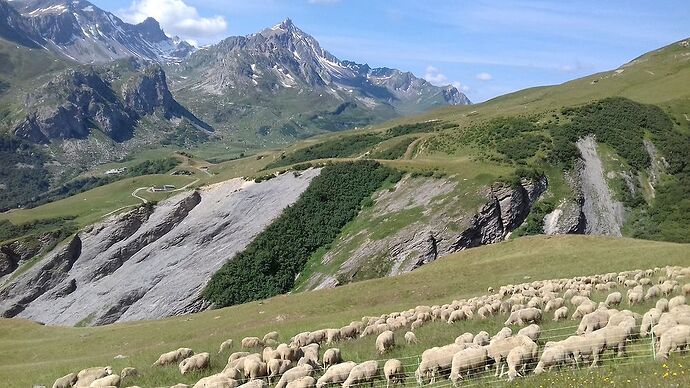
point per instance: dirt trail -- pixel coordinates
(604, 215)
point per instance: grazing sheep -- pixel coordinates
(268, 354)
(216, 381)
(331, 357)
(466, 361)
(276, 368)
(554, 304)
(560, 314)
(465, 338)
(583, 309)
(302, 382)
(294, 374)
(435, 361)
(227, 344)
(174, 356)
(255, 369)
(676, 301)
(332, 335)
(634, 298)
(649, 319)
(253, 384)
(410, 338)
(499, 350)
(523, 316)
(394, 372)
(517, 358)
(129, 372)
(236, 356)
(385, 341)
(677, 337)
(67, 381)
(662, 304)
(362, 373)
(653, 292)
(592, 321)
(416, 325)
(107, 381)
(251, 342)
(456, 316)
(532, 331)
(503, 333)
(196, 362)
(87, 376)
(349, 332)
(613, 299)
(273, 335)
(551, 357)
(482, 338)
(336, 374)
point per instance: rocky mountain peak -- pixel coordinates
(151, 30)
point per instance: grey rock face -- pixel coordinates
(441, 232)
(604, 215)
(568, 217)
(150, 263)
(506, 210)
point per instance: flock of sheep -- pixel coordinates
(301, 364)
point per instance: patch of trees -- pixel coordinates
(268, 266)
(22, 175)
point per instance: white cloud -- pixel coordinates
(176, 18)
(484, 76)
(434, 76)
(461, 87)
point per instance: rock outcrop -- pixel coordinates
(439, 231)
(568, 217)
(79, 100)
(151, 262)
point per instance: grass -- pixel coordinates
(91, 205)
(33, 353)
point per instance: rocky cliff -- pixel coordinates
(434, 227)
(151, 262)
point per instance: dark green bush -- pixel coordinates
(268, 266)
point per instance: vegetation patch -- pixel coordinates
(393, 151)
(10, 231)
(269, 265)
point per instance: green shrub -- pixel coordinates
(268, 266)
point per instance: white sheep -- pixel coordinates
(216, 381)
(677, 337)
(435, 361)
(107, 381)
(501, 334)
(87, 376)
(662, 304)
(255, 369)
(273, 335)
(174, 356)
(676, 301)
(196, 362)
(482, 338)
(560, 314)
(583, 309)
(551, 357)
(302, 382)
(523, 316)
(613, 299)
(532, 331)
(592, 321)
(251, 342)
(635, 297)
(336, 374)
(554, 304)
(385, 341)
(362, 373)
(649, 319)
(394, 372)
(466, 361)
(67, 381)
(465, 338)
(498, 350)
(410, 338)
(331, 357)
(251, 384)
(227, 344)
(456, 316)
(294, 374)
(276, 367)
(517, 358)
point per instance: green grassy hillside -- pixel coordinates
(34, 354)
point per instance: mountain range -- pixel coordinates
(266, 88)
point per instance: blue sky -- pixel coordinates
(488, 48)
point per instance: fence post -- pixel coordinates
(653, 346)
